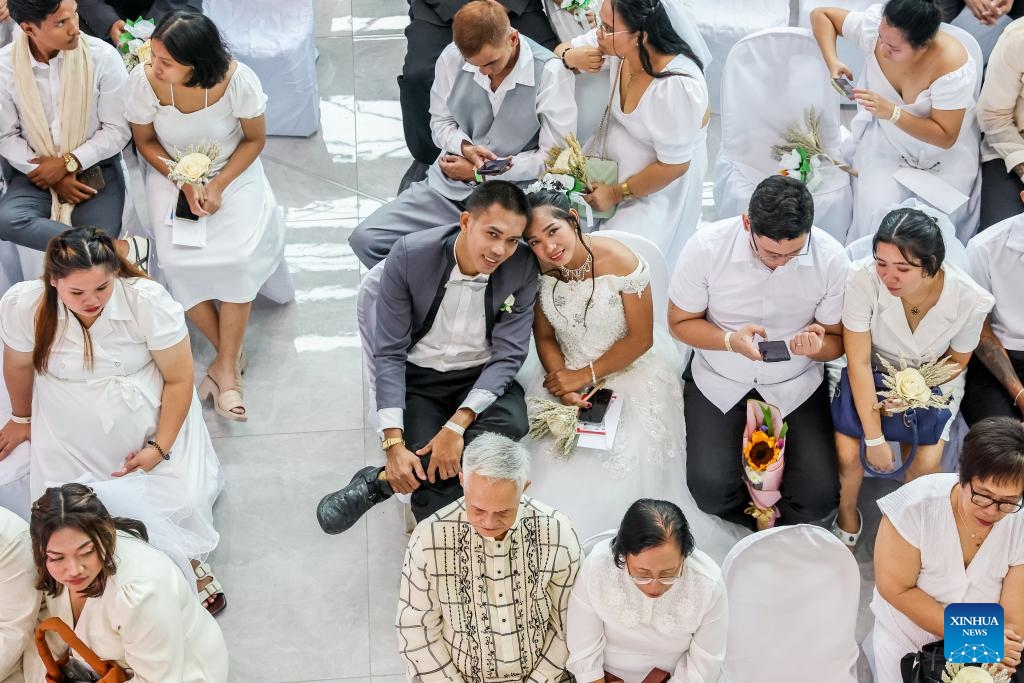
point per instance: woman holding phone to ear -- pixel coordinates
(191, 93)
(915, 106)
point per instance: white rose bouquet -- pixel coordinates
(986, 673)
(193, 166)
(907, 388)
(134, 42)
(802, 152)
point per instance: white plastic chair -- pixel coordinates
(794, 593)
(650, 252)
(14, 469)
(770, 79)
(967, 229)
(276, 39)
(724, 22)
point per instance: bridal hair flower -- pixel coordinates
(133, 43)
(805, 140)
(986, 673)
(193, 166)
(907, 388)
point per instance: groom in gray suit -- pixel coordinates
(454, 317)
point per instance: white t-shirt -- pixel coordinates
(996, 260)
(719, 273)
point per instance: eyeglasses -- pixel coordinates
(606, 30)
(664, 581)
(774, 258)
(984, 501)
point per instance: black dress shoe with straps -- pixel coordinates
(338, 511)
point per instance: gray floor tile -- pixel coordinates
(333, 18)
(380, 146)
(294, 593)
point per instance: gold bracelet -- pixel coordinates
(624, 189)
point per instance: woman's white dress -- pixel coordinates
(923, 516)
(666, 127)
(955, 321)
(876, 148)
(85, 421)
(594, 486)
(614, 627)
(148, 620)
(245, 237)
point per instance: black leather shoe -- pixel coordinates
(340, 510)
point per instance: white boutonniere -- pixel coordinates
(509, 303)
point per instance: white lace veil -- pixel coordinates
(680, 14)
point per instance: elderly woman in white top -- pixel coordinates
(19, 599)
(655, 60)
(946, 539)
(906, 303)
(648, 600)
(915, 107)
(126, 600)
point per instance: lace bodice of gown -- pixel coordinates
(587, 315)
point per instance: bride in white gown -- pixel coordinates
(595, 319)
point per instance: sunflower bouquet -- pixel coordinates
(764, 446)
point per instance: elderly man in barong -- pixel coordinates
(62, 129)
(486, 580)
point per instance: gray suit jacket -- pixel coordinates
(97, 16)
(411, 288)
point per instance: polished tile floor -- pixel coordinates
(304, 606)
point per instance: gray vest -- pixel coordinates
(515, 129)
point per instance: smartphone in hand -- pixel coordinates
(844, 86)
(495, 166)
(773, 351)
(598, 407)
(182, 211)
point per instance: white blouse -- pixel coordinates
(149, 620)
(921, 513)
(953, 323)
(614, 627)
(19, 599)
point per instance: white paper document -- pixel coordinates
(187, 233)
(931, 188)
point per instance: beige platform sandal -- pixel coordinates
(224, 402)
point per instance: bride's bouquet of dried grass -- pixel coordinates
(908, 388)
(986, 673)
(569, 161)
(808, 138)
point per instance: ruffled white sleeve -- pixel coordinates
(861, 298)
(955, 90)
(152, 631)
(141, 103)
(907, 509)
(17, 315)
(674, 136)
(245, 93)
(160, 318)
(861, 28)
(637, 281)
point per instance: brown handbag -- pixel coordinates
(109, 672)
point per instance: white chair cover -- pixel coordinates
(650, 252)
(771, 78)
(276, 39)
(592, 542)
(956, 252)
(366, 319)
(724, 22)
(849, 54)
(970, 226)
(794, 593)
(14, 468)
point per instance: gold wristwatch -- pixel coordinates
(386, 444)
(71, 163)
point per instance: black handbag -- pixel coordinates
(924, 666)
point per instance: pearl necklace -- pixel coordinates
(581, 272)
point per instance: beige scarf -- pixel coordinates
(76, 95)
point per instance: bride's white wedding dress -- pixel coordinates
(648, 460)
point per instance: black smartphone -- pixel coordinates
(93, 177)
(182, 210)
(598, 406)
(844, 86)
(495, 166)
(773, 351)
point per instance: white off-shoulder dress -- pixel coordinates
(245, 237)
(876, 148)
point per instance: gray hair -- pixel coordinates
(497, 457)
